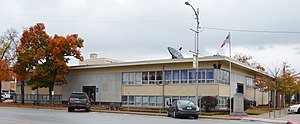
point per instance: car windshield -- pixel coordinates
(185, 102)
(78, 95)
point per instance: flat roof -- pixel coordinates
(169, 61)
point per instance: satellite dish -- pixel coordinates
(175, 54)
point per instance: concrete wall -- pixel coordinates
(170, 90)
(109, 85)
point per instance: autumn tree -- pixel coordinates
(8, 43)
(243, 58)
(288, 83)
(46, 57)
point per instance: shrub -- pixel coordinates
(247, 103)
(209, 102)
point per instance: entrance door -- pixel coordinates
(90, 91)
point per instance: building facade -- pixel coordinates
(155, 83)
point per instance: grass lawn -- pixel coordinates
(258, 110)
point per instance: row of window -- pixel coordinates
(171, 76)
(224, 77)
(222, 101)
(250, 82)
(142, 100)
(157, 101)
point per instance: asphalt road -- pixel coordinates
(47, 116)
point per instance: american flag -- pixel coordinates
(227, 40)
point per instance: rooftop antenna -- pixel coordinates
(174, 53)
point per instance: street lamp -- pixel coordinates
(196, 52)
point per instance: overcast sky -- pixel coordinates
(135, 30)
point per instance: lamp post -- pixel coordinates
(196, 52)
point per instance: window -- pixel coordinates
(159, 101)
(152, 101)
(192, 76)
(183, 98)
(125, 78)
(210, 76)
(201, 76)
(131, 100)
(192, 98)
(124, 100)
(175, 77)
(249, 82)
(222, 102)
(131, 78)
(224, 76)
(145, 100)
(174, 98)
(159, 77)
(168, 77)
(138, 78)
(138, 101)
(184, 76)
(145, 77)
(152, 77)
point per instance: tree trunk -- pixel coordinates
(289, 99)
(22, 92)
(0, 87)
(50, 96)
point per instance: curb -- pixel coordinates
(265, 120)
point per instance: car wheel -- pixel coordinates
(69, 109)
(174, 114)
(88, 109)
(196, 116)
(298, 111)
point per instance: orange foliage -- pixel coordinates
(45, 56)
(5, 72)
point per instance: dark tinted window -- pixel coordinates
(78, 95)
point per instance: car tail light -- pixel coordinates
(179, 107)
(86, 101)
(69, 101)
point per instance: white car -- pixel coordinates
(6, 95)
(294, 108)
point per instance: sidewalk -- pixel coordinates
(281, 117)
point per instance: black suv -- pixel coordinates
(79, 100)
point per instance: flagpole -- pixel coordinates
(230, 79)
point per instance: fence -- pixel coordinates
(43, 98)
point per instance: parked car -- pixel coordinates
(79, 100)
(294, 109)
(5, 95)
(183, 108)
(1, 98)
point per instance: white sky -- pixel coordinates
(131, 30)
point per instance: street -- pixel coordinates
(47, 116)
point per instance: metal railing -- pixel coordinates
(43, 98)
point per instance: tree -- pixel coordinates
(288, 83)
(46, 57)
(209, 102)
(243, 58)
(8, 43)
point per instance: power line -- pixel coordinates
(252, 31)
